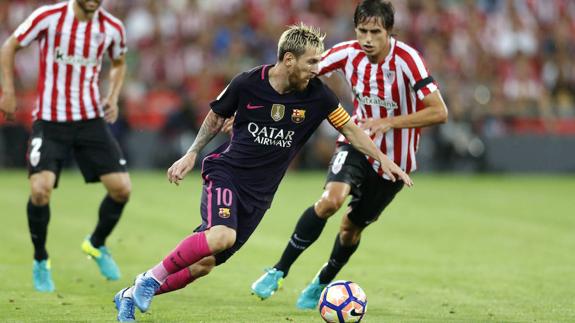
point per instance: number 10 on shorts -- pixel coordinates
(224, 196)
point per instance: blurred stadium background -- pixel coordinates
(505, 67)
(457, 248)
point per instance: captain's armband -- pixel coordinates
(339, 117)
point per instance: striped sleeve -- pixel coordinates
(414, 67)
(118, 33)
(338, 117)
(334, 58)
(34, 25)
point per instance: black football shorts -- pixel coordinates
(221, 205)
(371, 193)
(94, 148)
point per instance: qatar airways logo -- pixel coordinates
(271, 136)
(74, 60)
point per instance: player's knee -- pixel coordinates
(118, 186)
(40, 192)
(225, 241)
(328, 205)
(202, 271)
(349, 236)
(121, 193)
(203, 267)
(220, 238)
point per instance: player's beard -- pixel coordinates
(298, 82)
(302, 85)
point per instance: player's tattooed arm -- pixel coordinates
(229, 125)
(211, 126)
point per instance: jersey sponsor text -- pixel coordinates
(271, 136)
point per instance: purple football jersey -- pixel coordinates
(269, 129)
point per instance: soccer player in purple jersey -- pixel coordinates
(277, 108)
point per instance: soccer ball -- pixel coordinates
(342, 301)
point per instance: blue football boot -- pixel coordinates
(42, 276)
(310, 295)
(103, 258)
(145, 288)
(268, 283)
(125, 306)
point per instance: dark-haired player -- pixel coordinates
(70, 116)
(394, 96)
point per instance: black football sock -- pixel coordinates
(109, 215)
(339, 257)
(38, 218)
(306, 232)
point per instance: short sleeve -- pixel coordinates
(419, 78)
(118, 45)
(334, 58)
(226, 103)
(331, 100)
(33, 26)
(336, 114)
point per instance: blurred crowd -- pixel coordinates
(504, 66)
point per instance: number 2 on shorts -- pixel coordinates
(35, 145)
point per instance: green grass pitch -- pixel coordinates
(497, 248)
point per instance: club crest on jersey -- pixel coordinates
(278, 111)
(298, 115)
(224, 212)
(99, 37)
(389, 76)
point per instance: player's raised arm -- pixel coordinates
(341, 121)
(210, 127)
(7, 54)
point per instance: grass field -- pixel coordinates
(452, 249)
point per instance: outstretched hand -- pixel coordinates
(391, 169)
(181, 167)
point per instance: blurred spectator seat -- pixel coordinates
(540, 126)
(530, 153)
(150, 112)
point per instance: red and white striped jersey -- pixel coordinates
(71, 53)
(393, 87)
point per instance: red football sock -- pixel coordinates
(176, 281)
(188, 252)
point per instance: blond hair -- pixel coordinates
(297, 38)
